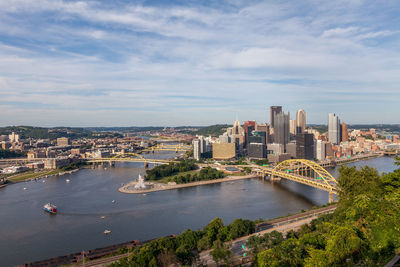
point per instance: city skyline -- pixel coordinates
(68, 63)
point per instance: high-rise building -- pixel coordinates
(256, 151)
(275, 149)
(333, 129)
(202, 144)
(329, 153)
(305, 146)
(237, 135)
(291, 149)
(196, 149)
(344, 132)
(292, 126)
(320, 150)
(224, 151)
(257, 137)
(301, 121)
(274, 110)
(281, 129)
(249, 126)
(264, 128)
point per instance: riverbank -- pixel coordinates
(107, 255)
(29, 176)
(357, 159)
(130, 188)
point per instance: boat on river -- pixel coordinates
(50, 208)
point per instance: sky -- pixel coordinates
(195, 62)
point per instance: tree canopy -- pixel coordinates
(363, 231)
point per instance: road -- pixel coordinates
(294, 223)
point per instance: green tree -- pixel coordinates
(240, 227)
(221, 252)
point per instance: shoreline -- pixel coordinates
(44, 176)
(162, 187)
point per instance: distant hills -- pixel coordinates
(212, 130)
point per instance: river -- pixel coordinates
(29, 234)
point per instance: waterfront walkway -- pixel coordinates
(130, 188)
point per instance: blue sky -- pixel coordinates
(123, 63)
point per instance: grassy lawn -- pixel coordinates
(165, 179)
(31, 175)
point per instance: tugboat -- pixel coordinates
(50, 208)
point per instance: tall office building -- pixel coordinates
(320, 150)
(292, 126)
(300, 121)
(196, 149)
(258, 137)
(274, 110)
(237, 133)
(333, 129)
(202, 144)
(248, 126)
(264, 128)
(329, 153)
(305, 146)
(281, 129)
(256, 151)
(344, 132)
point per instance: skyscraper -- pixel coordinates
(319, 150)
(333, 129)
(274, 110)
(248, 127)
(292, 127)
(237, 135)
(264, 128)
(345, 132)
(301, 121)
(281, 130)
(196, 149)
(305, 146)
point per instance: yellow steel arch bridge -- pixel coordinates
(305, 172)
(168, 147)
(123, 155)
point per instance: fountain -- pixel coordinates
(140, 184)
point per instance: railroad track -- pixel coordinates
(100, 262)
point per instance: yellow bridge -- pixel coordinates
(168, 147)
(130, 159)
(303, 171)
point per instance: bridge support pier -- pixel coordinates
(330, 200)
(275, 179)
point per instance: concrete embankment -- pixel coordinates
(130, 188)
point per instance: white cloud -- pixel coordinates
(340, 32)
(103, 57)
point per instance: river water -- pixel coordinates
(29, 234)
